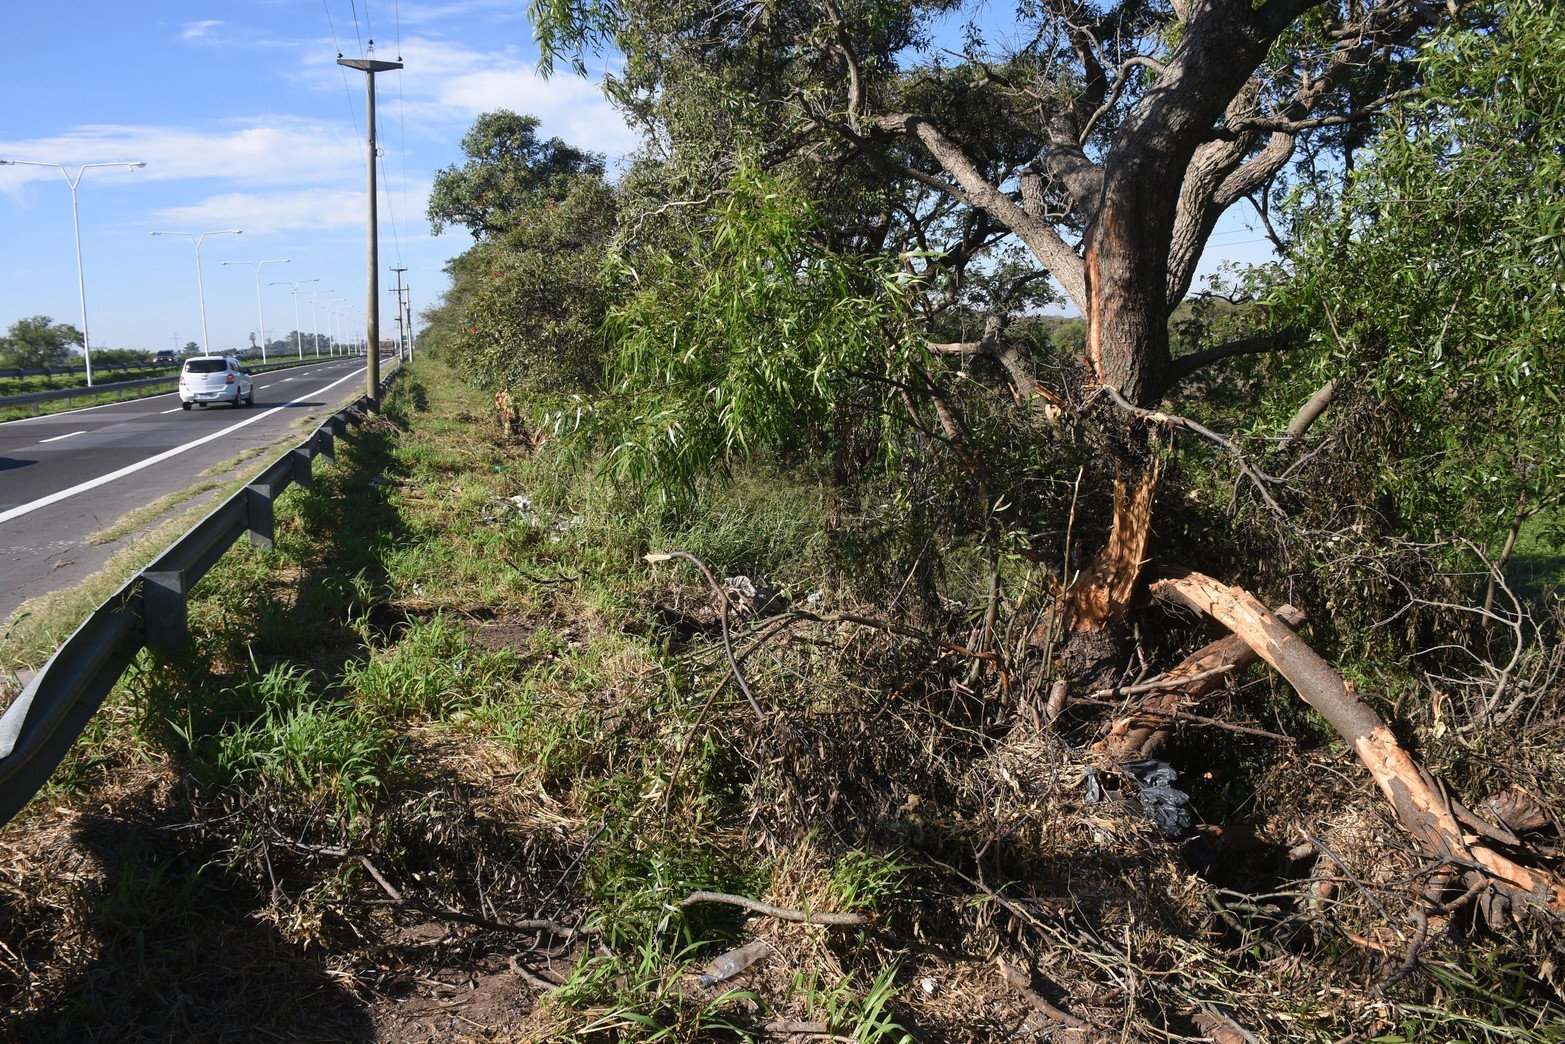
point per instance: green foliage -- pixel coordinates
(752, 337)
(34, 343)
(1434, 289)
(863, 880)
(860, 1018)
(527, 305)
(315, 751)
(507, 167)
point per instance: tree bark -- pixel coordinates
(1423, 804)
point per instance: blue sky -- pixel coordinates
(245, 121)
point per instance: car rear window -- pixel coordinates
(206, 366)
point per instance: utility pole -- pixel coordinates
(401, 344)
(407, 304)
(371, 66)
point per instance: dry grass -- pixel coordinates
(564, 756)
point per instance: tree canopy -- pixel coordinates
(37, 342)
(507, 166)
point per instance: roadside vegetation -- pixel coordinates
(750, 619)
(453, 759)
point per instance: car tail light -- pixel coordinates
(229, 379)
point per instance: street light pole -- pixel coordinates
(337, 304)
(206, 345)
(298, 337)
(260, 313)
(76, 224)
(315, 326)
(371, 66)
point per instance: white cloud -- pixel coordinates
(424, 14)
(443, 87)
(264, 150)
(199, 32)
(266, 213)
(569, 107)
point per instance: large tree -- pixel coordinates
(526, 307)
(506, 167)
(38, 342)
(1107, 139)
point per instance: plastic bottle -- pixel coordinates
(733, 962)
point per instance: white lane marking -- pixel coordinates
(176, 409)
(264, 387)
(68, 435)
(131, 469)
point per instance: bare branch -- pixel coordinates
(1258, 478)
(779, 912)
(1260, 344)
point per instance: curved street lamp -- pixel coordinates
(81, 279)
(315, 325)
(334, 309)
(206, 346)
(260, 314)
(298, 338)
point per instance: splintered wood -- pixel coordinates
(1432, 817)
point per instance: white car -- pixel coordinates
(206, 379)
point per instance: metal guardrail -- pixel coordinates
(17, 372)
(81, 390)
(37, 730)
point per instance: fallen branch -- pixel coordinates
(1198, 675)
(1159, 722)
(779, 912)
(792, 1028)
(1021, 982)
(445, 913)
(901, 630)
(727, 604)
(520, 969)
(1422, 803)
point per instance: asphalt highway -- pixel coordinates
(66, 475)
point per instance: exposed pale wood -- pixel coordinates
(1101, 595)
(1198, 675)
(780, 912)
(1422, 803)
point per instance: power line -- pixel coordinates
(347, 93)
(354, 7)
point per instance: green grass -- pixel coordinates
(508, 714)
(1537, 565)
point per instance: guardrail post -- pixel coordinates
(325, 445)
(301, 468)
(163, 611)
(259, 518)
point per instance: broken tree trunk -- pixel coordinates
(1143, 732)
(1435, 820)
(1100, 596)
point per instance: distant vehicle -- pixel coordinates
(208, 379)
(166, 357)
